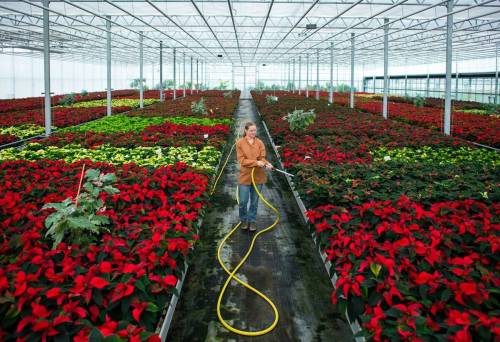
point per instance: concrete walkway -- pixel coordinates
(284, 265)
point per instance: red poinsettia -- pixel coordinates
(52, 287)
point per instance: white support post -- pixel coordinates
(317, 74)
(386, 67)
(351, 102)
(184, 74)
(108, 65)
(256, 71)
(232, 76)
(162, 98)
(191, 75)
(244, 80)
(207, 81)
(496, 75)
(197, 76)
(174, 64)
(283, 76)
(46, 68)
(330, 95)
(293, 79)
(427, 85)
(300, 73)
(447, 101)
(406, 76)
(289, 76)
(374, 80)
(457, 75)
(141, 71)
(307, 76)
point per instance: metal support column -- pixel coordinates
(288, 86)
(386, 66)
(108, 65)
(205, 82)
(457, 76)
(256, 71)
(184, 74)
(447, 101)
(191, 76)
(330, 95)
(293, 78)
(496, 75)
(351, 102)
(300, 73)
(406, 77)
(307, 76)
(162, 98)
(374, 80)
(317, 74)
(197, 76)
(428, 85)
(46, 68)
(175, 74)
(141, 71)
(244, 80)
(232, 77)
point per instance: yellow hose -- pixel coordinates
(232, 274)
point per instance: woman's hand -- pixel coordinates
(269, 166)
(260, 163)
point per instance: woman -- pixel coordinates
(251, 153)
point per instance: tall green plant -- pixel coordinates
(199, 108)
(67, 100)
(343, 88)
(78, 221)
(136, 84)
(418, 101)
(300, 119)
(270, 99)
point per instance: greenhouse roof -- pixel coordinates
(249, 32)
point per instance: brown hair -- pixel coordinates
(247, 126)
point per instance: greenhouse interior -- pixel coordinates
(268, 170)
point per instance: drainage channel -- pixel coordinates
(284, 265)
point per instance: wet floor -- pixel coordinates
(284, 265)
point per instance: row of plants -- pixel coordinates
(29, 103)
(133, 103)
(458, 105)
(22, 131)
(205, 158)
(123, 123)
(73, 109)
(115, 285)
(61, 117)
(214, 106)
(409, 219)
(165, 134)
(151, 94)
(467, 125)
(100, 258)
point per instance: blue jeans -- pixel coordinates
(245, 192)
